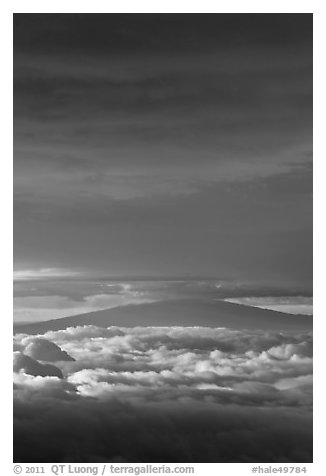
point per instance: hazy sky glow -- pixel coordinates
(158, 145)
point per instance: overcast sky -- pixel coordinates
(164, 145)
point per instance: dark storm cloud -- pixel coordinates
(133, 130)
(148, 32)
(31, 366)
(168, 394)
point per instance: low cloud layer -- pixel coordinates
(164, 394)
(42, 308)
(289, 304)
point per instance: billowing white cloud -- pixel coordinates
(43, 349)
(45, 387)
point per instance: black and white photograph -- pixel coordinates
(163, 238)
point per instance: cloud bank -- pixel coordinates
(43, 349)
(164, 394)
(42, 308)
(289, 304)
(29, 366)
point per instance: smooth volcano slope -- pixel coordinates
(178, 313)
